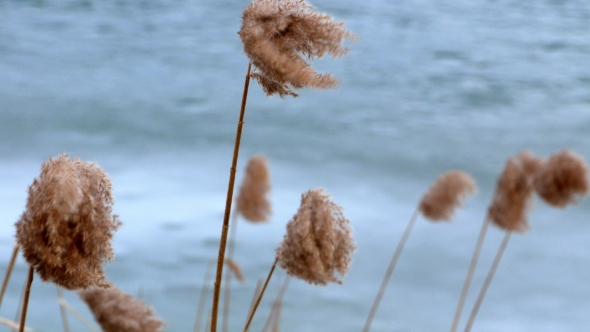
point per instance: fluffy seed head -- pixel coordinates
(251, 201)
(67, 226)
(278, 37)
(514, 193)
(116, 311)
(562, 179)
(447, 193)
(318, 243)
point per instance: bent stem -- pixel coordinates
(387, 276)
(26, 301)
(8, 272)
(230, 255)
(487, 282)
(470, 273)
(253, 311)
(228, 201)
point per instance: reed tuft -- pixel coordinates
(116, 311)
(67, 226)
(514, 193)
(447, 193)
(278, 37)
(252, 202)
(235, 269)
(319, 242)
(562, 179)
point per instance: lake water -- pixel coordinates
(151, 91)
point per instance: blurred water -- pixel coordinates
(151, 89)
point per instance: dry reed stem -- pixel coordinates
(253, 311)
(562, 179)
(252, 202)
(280, 35)
(23, 317)
(13, 325)
(389, 271)
(117, 311)
(203, 297)
(67, 226)
(228, 202)
(62, 310)
(318, 243)
(273, 311)
(469, 276)
(487, 282)
(77, 315)
(277, 318)
(230, 255)
(19, 308)
(257, 290)
(446, 194)
(9, 271)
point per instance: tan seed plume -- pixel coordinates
(446, 194)
(514, 193)
(278, 37)
(68, 223)
(235, 269)
(116, 311)
(252, 202)
(319, 242)
(562, 179)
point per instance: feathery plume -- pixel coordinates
(116, 311)
(279, 34)
(65, 230)
(513, 196)
(252, 202)
(562, 179)
(235, 269)
(318, 243)
(447, 193)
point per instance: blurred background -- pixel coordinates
(151, 90)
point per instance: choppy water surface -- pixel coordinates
(151, 89)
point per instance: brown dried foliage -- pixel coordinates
(514, 193)
(235, 269)
(318, 243)
(278, 37)
(562, 179)
(67, 226)
(447, 193)
(251, 201)
(116, 311)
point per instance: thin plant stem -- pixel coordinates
(77, 315)
(230, 255)
(64, 313)
(277, 303)
(23, 318)
(253, 311)
(12, 324)
(228, 202)
(255, 296)
(277, 318)
(390, 269)
(203, 297)
(470, 273)
(19, 309)
(8, 272)
(487, 282)
(208, 323)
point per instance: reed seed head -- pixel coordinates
(446, 194)
(562, 179)
(278, 37)
(235, 269)
(67, 226)
(319, 242)
(514, 193)
(116, 311)
(251, 201)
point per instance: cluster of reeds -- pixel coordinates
(65, 232)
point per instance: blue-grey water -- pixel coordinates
(151, 91)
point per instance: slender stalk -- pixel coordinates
(230, 255)
(77, 315)
(64, 313)
(203, 297)
(390, 269)
(228, 201)
(23, 318)
(255, 296)
(19, 309)
(8, 272)
(470, 273)
(12, 324)
(487, 282)
(277, 318)
(253, 311)
(277, 304)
